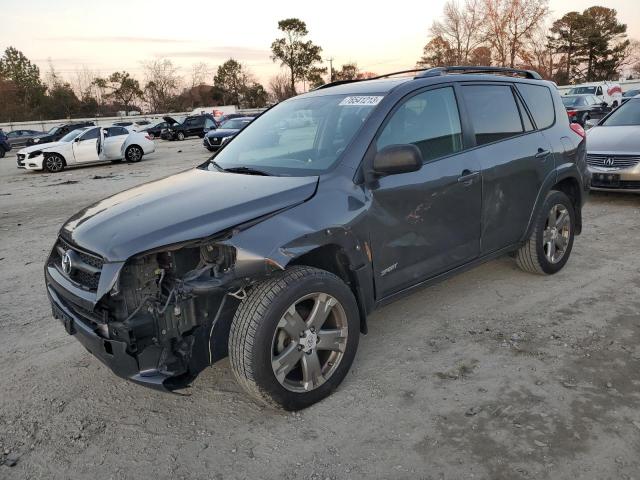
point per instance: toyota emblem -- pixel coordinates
(66, 263)
(609, 161)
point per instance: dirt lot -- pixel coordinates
(495, 374)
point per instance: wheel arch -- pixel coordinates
(333, 258)
(570, 186)
(131, 145)
(566, 180)
(46, 154)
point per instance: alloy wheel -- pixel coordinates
(309, 342)
(54, 163)
(134, 154)
(557, 233)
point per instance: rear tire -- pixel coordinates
(133, 154)
(548, 248)
(2, 152)
(274, 330)
(54, 163)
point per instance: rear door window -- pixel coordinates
(428, 120)
(540, 102)
(493, 112)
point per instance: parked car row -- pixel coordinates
(86, 145)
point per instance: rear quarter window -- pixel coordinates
(540, 102)
(493, 112)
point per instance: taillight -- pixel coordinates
(576, 127)
(571, 113)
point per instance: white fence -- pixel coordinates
(46, 125)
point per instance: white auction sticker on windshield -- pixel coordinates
(361, 100)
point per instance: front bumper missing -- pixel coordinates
(140, 369)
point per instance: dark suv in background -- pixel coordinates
(277, 249)
(192, 126)
(56, 133)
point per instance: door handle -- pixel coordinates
(542, 153)
(468, 177)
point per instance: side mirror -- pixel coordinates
(77, 139)
(592, 122)
(395, 159)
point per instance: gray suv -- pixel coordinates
(276, 250)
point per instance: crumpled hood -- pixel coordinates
(611, 140)
(41, 146)
(187, 206)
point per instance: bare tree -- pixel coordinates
(280, 88)
(510, 24)
(82, 83)
(461, 28)
(201, 73)
(161, 83)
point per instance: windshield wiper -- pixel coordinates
(245, 171)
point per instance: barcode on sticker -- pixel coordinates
(361, 100)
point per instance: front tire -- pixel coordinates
(54, 163)
(548, 248)
(133, 154)
(294, 337)
(180, 136)
(2, 152)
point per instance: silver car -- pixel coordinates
(613, 149)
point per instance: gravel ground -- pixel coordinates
(494, 374)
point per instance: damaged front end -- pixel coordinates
(159, 318)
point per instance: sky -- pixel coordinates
(120, 35)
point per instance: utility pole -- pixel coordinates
(330, 60)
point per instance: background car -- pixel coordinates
(56, 133)
(608, 92)
(626, 96)
(613, 149)
(19, 138)
(192, 126)
(214, 139)
(581, 108)
(229, 116)
(87, 145)
(155, 130)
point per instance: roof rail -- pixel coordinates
(386, 75)
(437, 71)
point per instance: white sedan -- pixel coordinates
(87, 145)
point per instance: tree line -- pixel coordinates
(579, 47)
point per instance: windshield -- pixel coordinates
(235, 124)
(626, 114)
(302, 136)
(573, 101)
(71, 135)
(582, 91)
